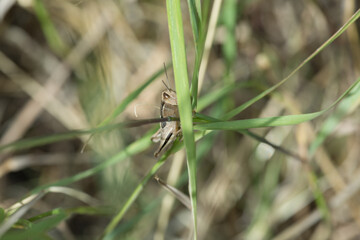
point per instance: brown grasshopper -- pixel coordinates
(168, 131)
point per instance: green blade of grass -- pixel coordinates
(183, 95)
(269, 121)
(241, 108)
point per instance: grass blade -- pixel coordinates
(183, 94)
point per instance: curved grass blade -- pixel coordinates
(183, 95)
(241, 108)
(269, 121)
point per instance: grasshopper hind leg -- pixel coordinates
(164, 145)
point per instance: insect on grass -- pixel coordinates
(168, 131)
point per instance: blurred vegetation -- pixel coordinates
(77, 65)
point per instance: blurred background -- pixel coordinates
(66, 65)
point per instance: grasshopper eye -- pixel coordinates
(166, 96)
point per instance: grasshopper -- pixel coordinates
(168, 131)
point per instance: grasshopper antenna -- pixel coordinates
(166, 85)
(167, 79)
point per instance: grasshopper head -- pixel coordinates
(169, 97)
